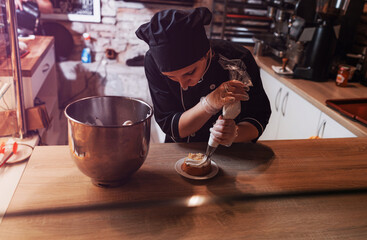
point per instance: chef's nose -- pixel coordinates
(184, 82)
(184, 85)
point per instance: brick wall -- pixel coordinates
(117, 28)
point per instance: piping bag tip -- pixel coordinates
(209, 151)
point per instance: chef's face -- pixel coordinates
(189, 76)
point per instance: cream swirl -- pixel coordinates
(197, 160)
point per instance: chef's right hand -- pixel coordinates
(19, 4)
(227, 92)
(224, 131)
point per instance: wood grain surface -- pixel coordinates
(38, 48)
(299, 189)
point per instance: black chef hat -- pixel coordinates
(176, 38)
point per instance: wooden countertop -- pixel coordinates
(38, 48)
(318, 92)
(293, 189)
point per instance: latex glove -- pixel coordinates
(224, 131)
(19, 4)
(227, 92)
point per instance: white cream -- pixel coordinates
(197, 163)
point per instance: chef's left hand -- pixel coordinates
(224, 131)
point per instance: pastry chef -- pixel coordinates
(189, 85)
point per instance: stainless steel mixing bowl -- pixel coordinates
(102, 147)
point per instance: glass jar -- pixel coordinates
(342, 76)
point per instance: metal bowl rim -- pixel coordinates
(117, 126)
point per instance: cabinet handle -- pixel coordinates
(277, 99)
(284, 103)
(320, 131)
(45, 67)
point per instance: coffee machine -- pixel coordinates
(312, 42)
(274, 43)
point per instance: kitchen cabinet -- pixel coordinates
(40, 85)
(317, 93)
(292, 116)
(273, 89)
(36, 67)
(56, 133)
(329, 128)
(298, 118)
(295, 118)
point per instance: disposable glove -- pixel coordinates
(228, 92)
(224, 131)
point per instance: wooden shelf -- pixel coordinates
(249, 17)
(239, 21)
(243, 4)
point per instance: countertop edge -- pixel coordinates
(30, 63)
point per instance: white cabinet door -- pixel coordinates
(292, 117)
(329, 128)
(273, 89)
(31, 85)
(299, 118)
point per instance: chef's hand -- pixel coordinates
(227, 92)
(224, 131)
(19, 4)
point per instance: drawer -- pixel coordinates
(31, 85)
(39, 76)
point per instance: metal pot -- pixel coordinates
(102, 146)
(259, 47)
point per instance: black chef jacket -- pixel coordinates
(170, 101)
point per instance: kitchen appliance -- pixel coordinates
(275, 42)
(109, 137)
(312, 45)
(28, 19)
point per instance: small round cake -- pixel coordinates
(191, 165)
